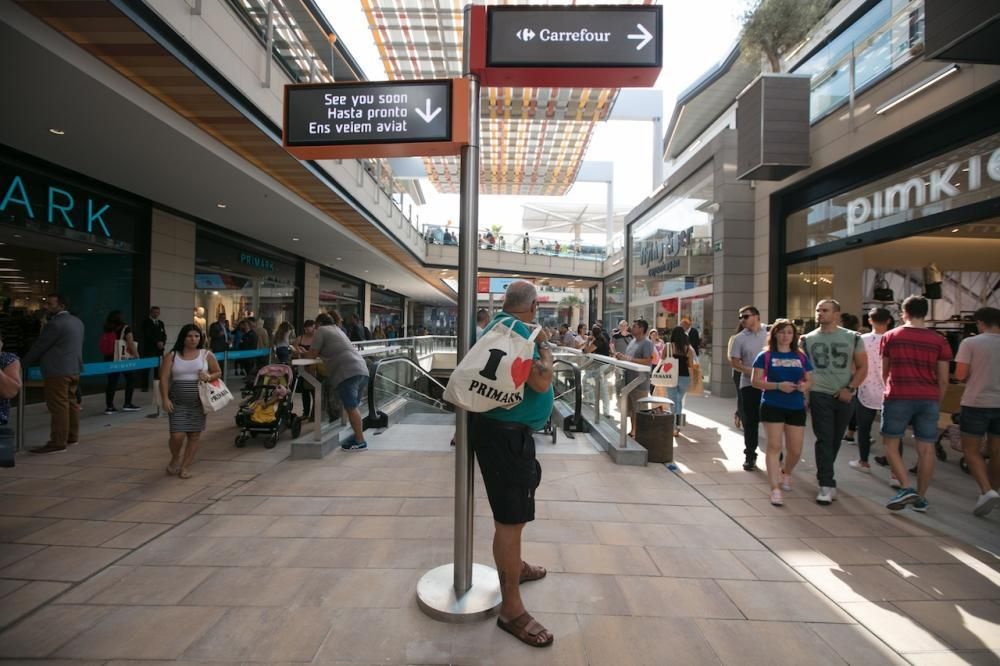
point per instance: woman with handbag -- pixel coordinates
(181, 371)
(118, 344)
(683, 354)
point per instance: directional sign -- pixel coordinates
(613, 46)
(386, 119)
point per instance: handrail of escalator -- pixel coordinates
(577, 418)
(375, 418)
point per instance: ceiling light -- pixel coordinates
(10, 270)
(366, 270)
(954, 231)
(923, 85)
(337, 258)
(220, 205)
(295, 238)
(90, 249)
(6, 259)
(57, 132)
(17, 236)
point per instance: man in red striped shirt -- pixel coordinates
(915, 369)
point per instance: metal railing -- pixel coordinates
(379, 419)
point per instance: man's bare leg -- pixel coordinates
(895, 457)
(925, 466)
(507, 555)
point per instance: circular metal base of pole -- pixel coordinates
(436, 594)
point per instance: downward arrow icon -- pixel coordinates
(428, 115)
(644, 38)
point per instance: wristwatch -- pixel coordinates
(852, 390)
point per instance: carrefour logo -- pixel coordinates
(525, 34)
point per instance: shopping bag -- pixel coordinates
(697, 381)
(494, 371)
(665, 374)
(214, 395)
(121, 346)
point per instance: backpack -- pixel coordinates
(106, 343)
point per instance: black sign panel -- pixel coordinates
(363, 113)
(619, 36)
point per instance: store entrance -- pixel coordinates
(957, 267)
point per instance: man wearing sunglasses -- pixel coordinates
(746, 345)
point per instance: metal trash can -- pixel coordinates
(654, 429)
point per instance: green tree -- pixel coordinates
(772, 27)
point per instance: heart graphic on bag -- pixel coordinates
(667, 367)
(519, 371)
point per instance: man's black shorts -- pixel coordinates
(506, 455)
(792, 417)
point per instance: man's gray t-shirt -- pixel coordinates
(982, 353)
(338, 353)
(746, 346)
(638, 349)
(832, 356)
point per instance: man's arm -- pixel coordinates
(942, 372)
(886, 362)
(860, 368)
(961, 371)
(45, 340)
(540, 378)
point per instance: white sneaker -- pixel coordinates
(986, 503)
(894, 482)
(786, 483)
(861, 466)
(826, 495)
(776, 498)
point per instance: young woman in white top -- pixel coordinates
(180, 372)
(868, 399)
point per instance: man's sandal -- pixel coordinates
(530, 572)
(525, 629)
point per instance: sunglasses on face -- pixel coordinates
(746, 315)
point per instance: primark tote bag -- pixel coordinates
(494, 371)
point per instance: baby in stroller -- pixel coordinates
(267, 407)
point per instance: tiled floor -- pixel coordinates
(258, 559)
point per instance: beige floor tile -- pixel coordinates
(676, 515)
(966, 625)
(857, 645)
(13, 528)
(373, 506)
(394, 636)
(737, 507)
(291, 506)
(928, 550)
(699, 563)
(400, 554)
(858, 550)
(772, 643)
(749, 491)
(551, 510)
(953, 581)
(338, 553)
(235, 526)
(599, 559)
(583, 594)
(235, 505)
(63, 563)
(264, 635)
(12, 552)
(27, 598)
(7, 586)
(96, 584)
(785, 527)
(635, 534)
(893, 626)
(644, 641)
(33, 470)
(358, 588)
(76, 533)
(954, 658)
(428, 506)
(766, 566)
(166, 489)
(142, 632)
(861, 583)
(546, 554)
(698, 536)
(560, 531)
(857, 526)
(794, 506)
(152, 586)
(158, 512)
(768, 600)
(26, 505)
(96, 489)
(661, 597)
(308, 526)
(233, 551)
(248, 586)
(88, 509)
(389, 527)
(136, 535)
(485, 643)
(45, 631)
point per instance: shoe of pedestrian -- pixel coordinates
(986, 503)
(776, 498)
(902, 498)
(786, 482)
(826, 495)
(130, 408)
(849, 438)
(861, 466)
(48, 448)
(921, 505)
(110, 410)
(750, 463)
(894, 482)
(354, 445)
(882, 460)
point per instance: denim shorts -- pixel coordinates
(921, 414)
(350, 391)
(979, 421)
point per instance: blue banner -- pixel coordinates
(107, 367)
(249, 353)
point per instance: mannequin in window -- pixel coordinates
(199, 318)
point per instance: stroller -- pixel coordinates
(952, 434)
(267, 406)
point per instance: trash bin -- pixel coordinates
(654, 429)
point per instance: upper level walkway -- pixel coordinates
(258, 558)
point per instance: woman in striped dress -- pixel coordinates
(180, 372)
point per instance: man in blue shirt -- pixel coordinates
(505, 448)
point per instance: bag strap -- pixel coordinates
(510, 327)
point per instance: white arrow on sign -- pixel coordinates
(644, 38)
(428, 115)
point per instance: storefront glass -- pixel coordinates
(614, 301)
(968, 175)
(386, 312)
(239, 282)
(339, 294)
